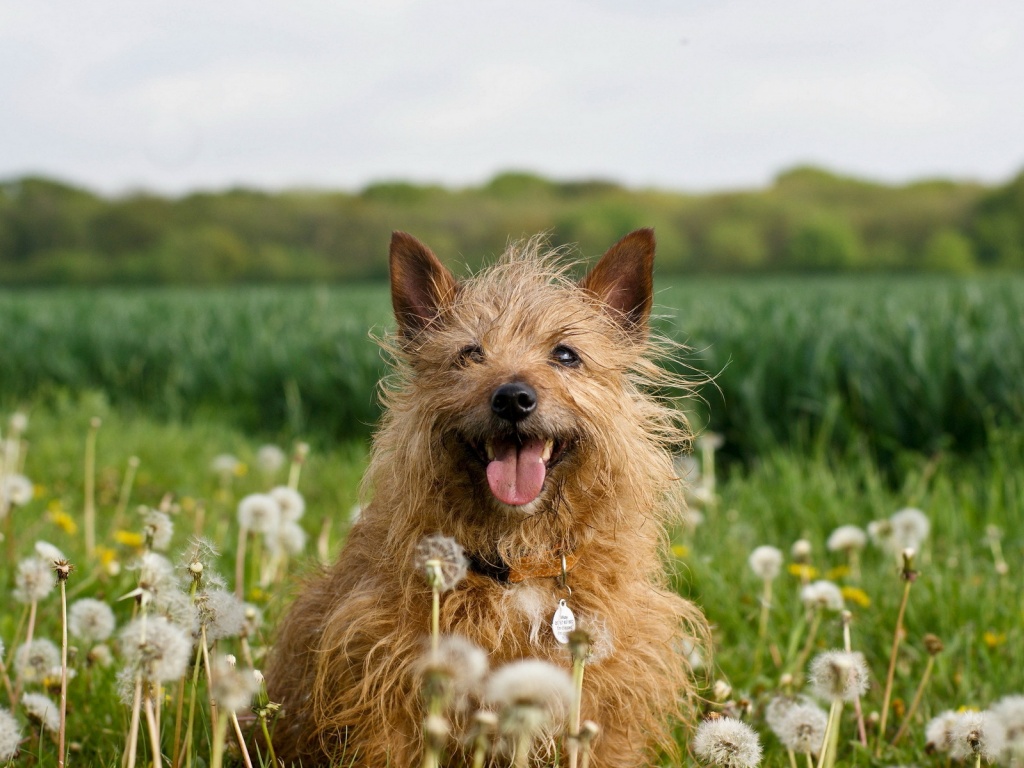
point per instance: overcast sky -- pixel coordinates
(174, 95)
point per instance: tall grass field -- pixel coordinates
(133, 422)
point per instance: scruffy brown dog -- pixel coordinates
(520, 423)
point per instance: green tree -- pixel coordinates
(948, 251)
(824, 243)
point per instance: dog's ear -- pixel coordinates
(420, 285)
(624, 280)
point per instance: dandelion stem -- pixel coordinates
(918, 695)
(219, 736)
(830, 742)
(578, 663)
(896, 638)
(241, 740)
(812, 635)
(125, 492)
(63, 671)
(154, 729)
(243, 536)
(266, 736)
(792, 758)
(187, 745)
(29, 633)
(848, 646)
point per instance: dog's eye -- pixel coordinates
(471, 353)
(565, 356)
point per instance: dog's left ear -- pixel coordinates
(420, 285)
(624, 280)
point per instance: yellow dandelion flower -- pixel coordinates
(129, 538)
(856, 595)
(63, 520)
(188, 504)
(257, 595)
(993, 639)
(837, 573)
(680, 550)
(803, 571)
(241, 469)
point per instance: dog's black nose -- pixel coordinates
(514, 401)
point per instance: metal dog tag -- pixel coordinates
(563, 622)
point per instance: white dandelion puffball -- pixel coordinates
(270, 458)
(766, 562)
(225, 464)
(10, 736)
(259, 512)
(775, 711)
(290, 501)
(289, 538)
(90, 620)
(846, 538)
(910, 527)
(448, 553)
(19, 422)
(157, 527)
(532, 683)
(42, 710)
(17, 490)
(976, 733)
(802, 729)
(33, 580)
(727, 742)
(461, 663)
(839, 675)
(822, 594)
(163, 655)
(221, 613)
(801, 550)
(233, 688)
(938, 733)
(33, 661)
(48, 551)
(1009, 713)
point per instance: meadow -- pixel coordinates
(839, 402)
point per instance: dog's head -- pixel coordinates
(524, 379)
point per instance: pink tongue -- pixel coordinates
(517, 473)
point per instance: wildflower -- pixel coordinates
(91, 620)
(253, 619)
(801, 550)
(17, 490)
(157, 528)
(233, 688)
(270, 458)
(910, 528)
(10, 736)
(155, 576)
(48, 552)
(129, 538)
(680, 550)
(449, 556)
(727, 742)
(803, 728)
(822, 594)
(766, 562)
(163, 655)
(225, 465)
(290, 501)
(63, 520)
(856, 595)
(846, 538)
(33, 580)
(221, 613)
(33, 661)
(1008, 713)
(197, 558)
(839, 675)
(41, 710)
(455, 671)
(779, 706)
(288, 538)
(100, 655)
(975, 733)
(529, 694)
(802, 571)
(259, 512)
(938, 733)
(880, 533)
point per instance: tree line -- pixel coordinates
(807, 220)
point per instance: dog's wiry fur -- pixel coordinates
(344, 663)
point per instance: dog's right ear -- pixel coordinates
(420, 285)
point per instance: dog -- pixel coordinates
(520, 422)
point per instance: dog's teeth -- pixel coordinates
(546, 453)
(489, 448)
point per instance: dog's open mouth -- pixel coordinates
(518, 465)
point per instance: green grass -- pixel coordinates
(782, 495)
(916, 363)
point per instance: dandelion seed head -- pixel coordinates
(233, 688)
(288, 538)
(10, 735)
(1008, 712)
(48, 551)
(259, 512)
(40, 709)
(33, 661)
(154, 573)
(17, 490)
(163, 655)
(224, 464)
(100, 655)
(802, 730)
(177, 608)
(822, 594)
(455, 671)
(91, 620)
(19, 422)
(448, 553)
(801, 550)
(938, 733)
(197, 559)
(880, 533)
(293, 506)
(33, 580)
(766, 562)
(976, 733)
(910, 528)
(846, 538)
(530, 694)
(157, 528)
(775, 711)
(727, 742)
(221, 613)
(253, 619)
(839, 675)
(270, 458)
